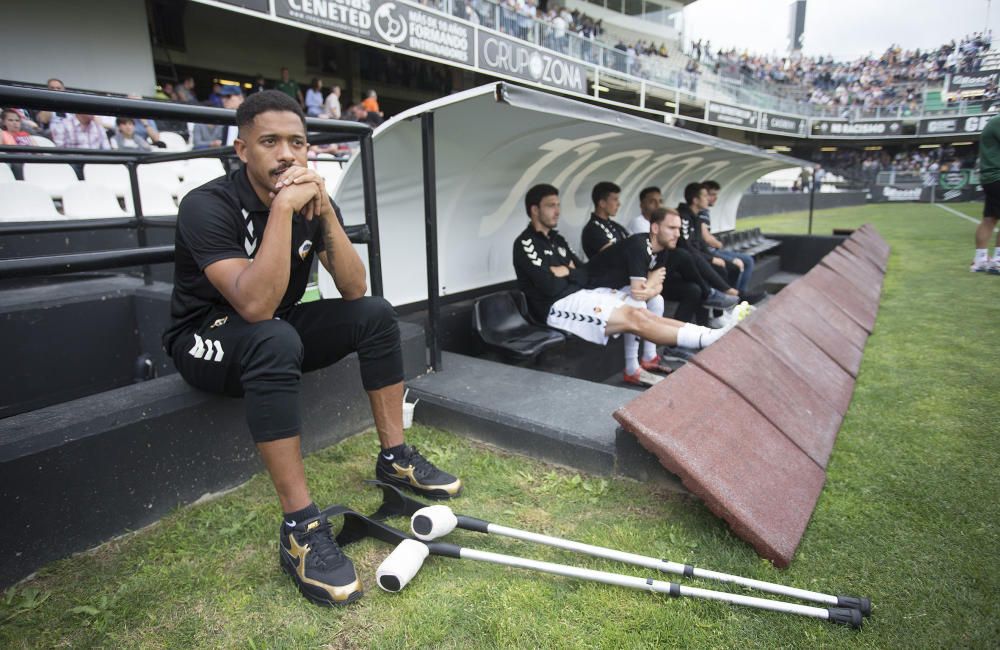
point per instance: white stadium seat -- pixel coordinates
(90, 201)
(330, 171)
(53, 177)
(186, 187)
(25, 202)
(112, 176)
(6, 175)
(42, 141)
(164, 174)
(174, 141)
(203, 169)
(156, 201)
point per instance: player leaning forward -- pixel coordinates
(555, 283)
(244, 248)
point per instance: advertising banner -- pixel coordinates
(742, 118)
(525, 61)
(782, 124)
(966, 81)
(254, 5)
(394, 23)
(951, 186)
(953, 125)
(862, 129)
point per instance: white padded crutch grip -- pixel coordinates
(433, 522)
(401, 565)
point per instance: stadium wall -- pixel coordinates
(105, 47)
(756, 205)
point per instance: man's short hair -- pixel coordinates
(603, 190)
(536, 194)
(711, 186)
(647, 191)
(691, 191)
(264, 101)
(660, 214)
(124, 120)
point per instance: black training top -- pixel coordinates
(617, 265)
(222, 219)
(598, 232)
(691, 228)
(534, 254)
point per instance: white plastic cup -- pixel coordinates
(408, 414)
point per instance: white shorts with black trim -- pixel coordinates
(586, 312)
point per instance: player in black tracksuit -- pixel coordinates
(721, 274)
(244, 248)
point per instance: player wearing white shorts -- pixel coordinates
(555, 282)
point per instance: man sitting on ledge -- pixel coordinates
(555, 283)
(244, 248)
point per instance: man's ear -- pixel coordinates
(241, 148)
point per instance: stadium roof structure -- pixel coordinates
(496, 141)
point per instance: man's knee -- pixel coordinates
(273, 343)
(376, 310)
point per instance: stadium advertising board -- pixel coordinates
(950, 186)
(394, 23)
(725, 114)
(861, 129)
(525, 61)
(971, 81)
(782, 124)
(953, 125)
(254, 5)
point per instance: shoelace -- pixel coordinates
(421, 466)
(324, 548)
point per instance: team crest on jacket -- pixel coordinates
(305, 248)
(562, 251)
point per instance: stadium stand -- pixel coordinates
(114, 177)
(87, 200)
(24, 201)
(54, 178)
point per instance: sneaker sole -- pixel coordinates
(434, 495)
(313, 598)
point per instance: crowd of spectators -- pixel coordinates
(867, 165)
(893, 80)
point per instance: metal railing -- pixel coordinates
(327, 131)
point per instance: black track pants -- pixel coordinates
(264, 361)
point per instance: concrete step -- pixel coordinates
(557, 419)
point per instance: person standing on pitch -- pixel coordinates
(989, 177)
(245, 244)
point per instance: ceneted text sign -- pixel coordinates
(523, 60)
(782, 124)
(402, 25)
(863, 129)
(953, 125)
(730, 115)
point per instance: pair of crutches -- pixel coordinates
(429, 523)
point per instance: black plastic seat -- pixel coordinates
(501, 321)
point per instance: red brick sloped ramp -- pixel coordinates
(749, 424)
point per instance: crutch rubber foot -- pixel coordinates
(863, 605)
(845, 616)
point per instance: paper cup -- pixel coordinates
(408, 414)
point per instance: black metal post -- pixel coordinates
(133, 178)
(430, 235)
(812, 197)
(371, 213)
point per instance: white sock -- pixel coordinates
(696, 337)
(631, 354)
(655, 306)
(982, 256)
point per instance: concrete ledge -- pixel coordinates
(75, 474)
(557, 419)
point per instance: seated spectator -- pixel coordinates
(258, 85)
(215, 97)
(743, 261)
(206, 136)
(13, 134)
(601, 231)
(331, 107)
(46, 119)
(126, 137)
(185, 92)
(314, 98)
(80, 131)
(555, 282)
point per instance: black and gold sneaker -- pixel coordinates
(312, 557)
(411, 470)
